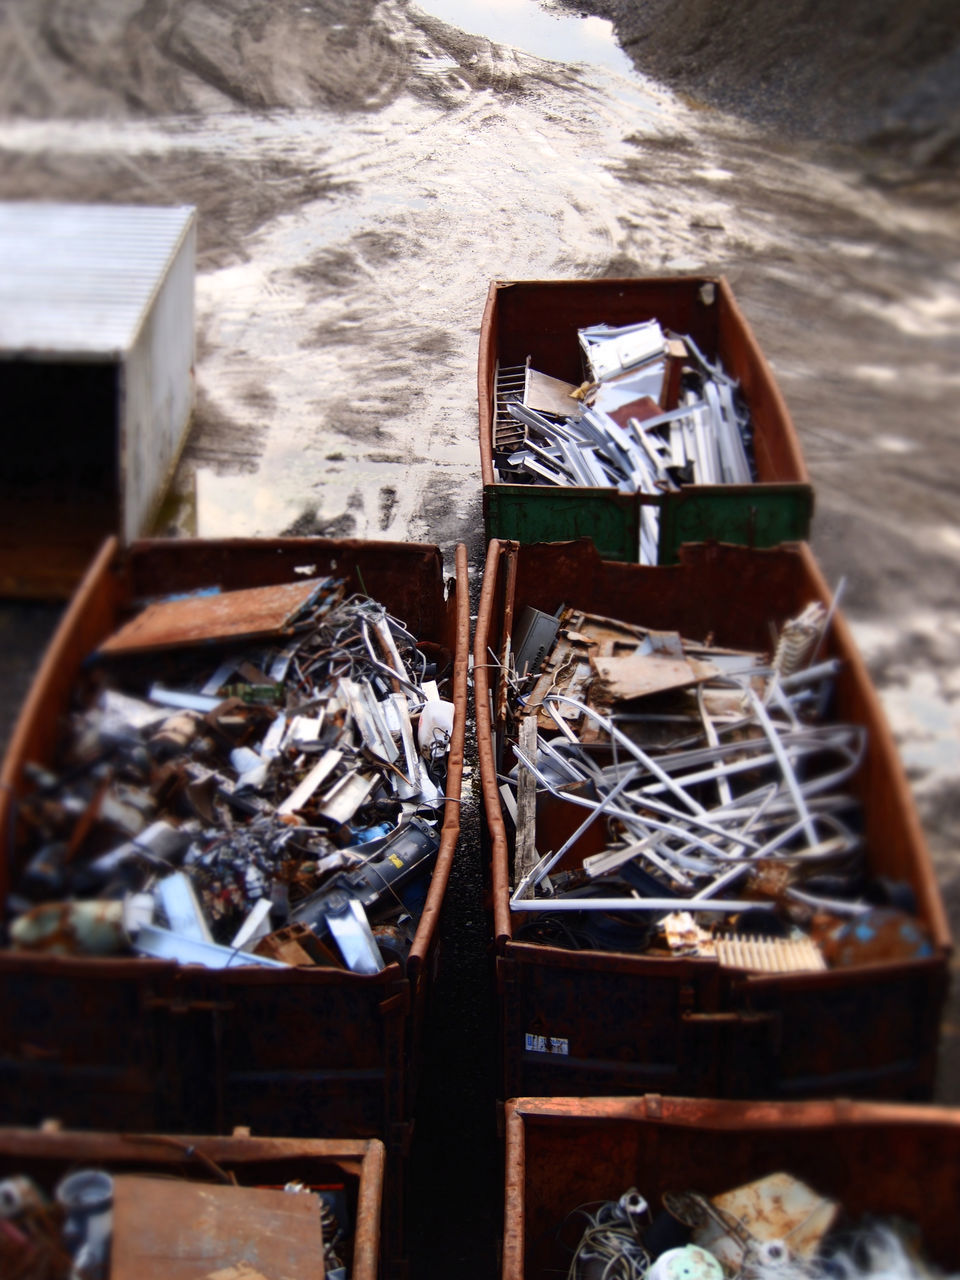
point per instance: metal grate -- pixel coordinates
(510, 382)
(770, 955)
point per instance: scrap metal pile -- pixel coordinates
(776, 1228)
(654, 414)
(248, 777)
(680, 798)
(96, 1225)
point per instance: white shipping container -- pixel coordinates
(96, 379)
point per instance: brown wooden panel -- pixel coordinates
(228, 615)
(164, 1229)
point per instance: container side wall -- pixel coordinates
(91, 614)
(406, 577)
(776, 445)
(544, 513)
(540, 318)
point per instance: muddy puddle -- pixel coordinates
(362, 172)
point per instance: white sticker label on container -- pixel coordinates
(534, 1043)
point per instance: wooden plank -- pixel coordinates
(228, 615)
(171, 1229)
(527, 856)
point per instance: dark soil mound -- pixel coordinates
(865, 71)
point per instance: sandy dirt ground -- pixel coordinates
(361, 171)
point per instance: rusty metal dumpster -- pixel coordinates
(536, 321)
(146, 1044)
(608, 1020)
(348, 1172)
(881, 1159)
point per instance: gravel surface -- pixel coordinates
(873, 71)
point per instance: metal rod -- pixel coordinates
(624, 815)
(614, 733)
(717, 905)
(785, 764)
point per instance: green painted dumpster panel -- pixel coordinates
(542, 513)
(759, 515)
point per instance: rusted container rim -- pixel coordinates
(55, 661)
(724, 1114)
(450, 831)
(486, 365)
(482, 665)
(929, 899)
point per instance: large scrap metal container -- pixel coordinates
(143, 1044)
(625, 1023)
(350, 1172)
(898, 1162)
(146, 1044)
(96, 378)
(539, 319)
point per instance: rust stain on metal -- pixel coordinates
(230, 615)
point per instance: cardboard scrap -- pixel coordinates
(637, 675)
(550, 395)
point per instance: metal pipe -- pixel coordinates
(624, 815)
(641, 756)
(785, 764)
(717, 905)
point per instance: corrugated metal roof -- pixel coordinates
(78, 279)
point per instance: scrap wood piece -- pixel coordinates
(550, 395)
(248, 614)
(167, 1229)
(638, 674)
(526, 846)
(600, 660)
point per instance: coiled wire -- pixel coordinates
(610, 1243)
